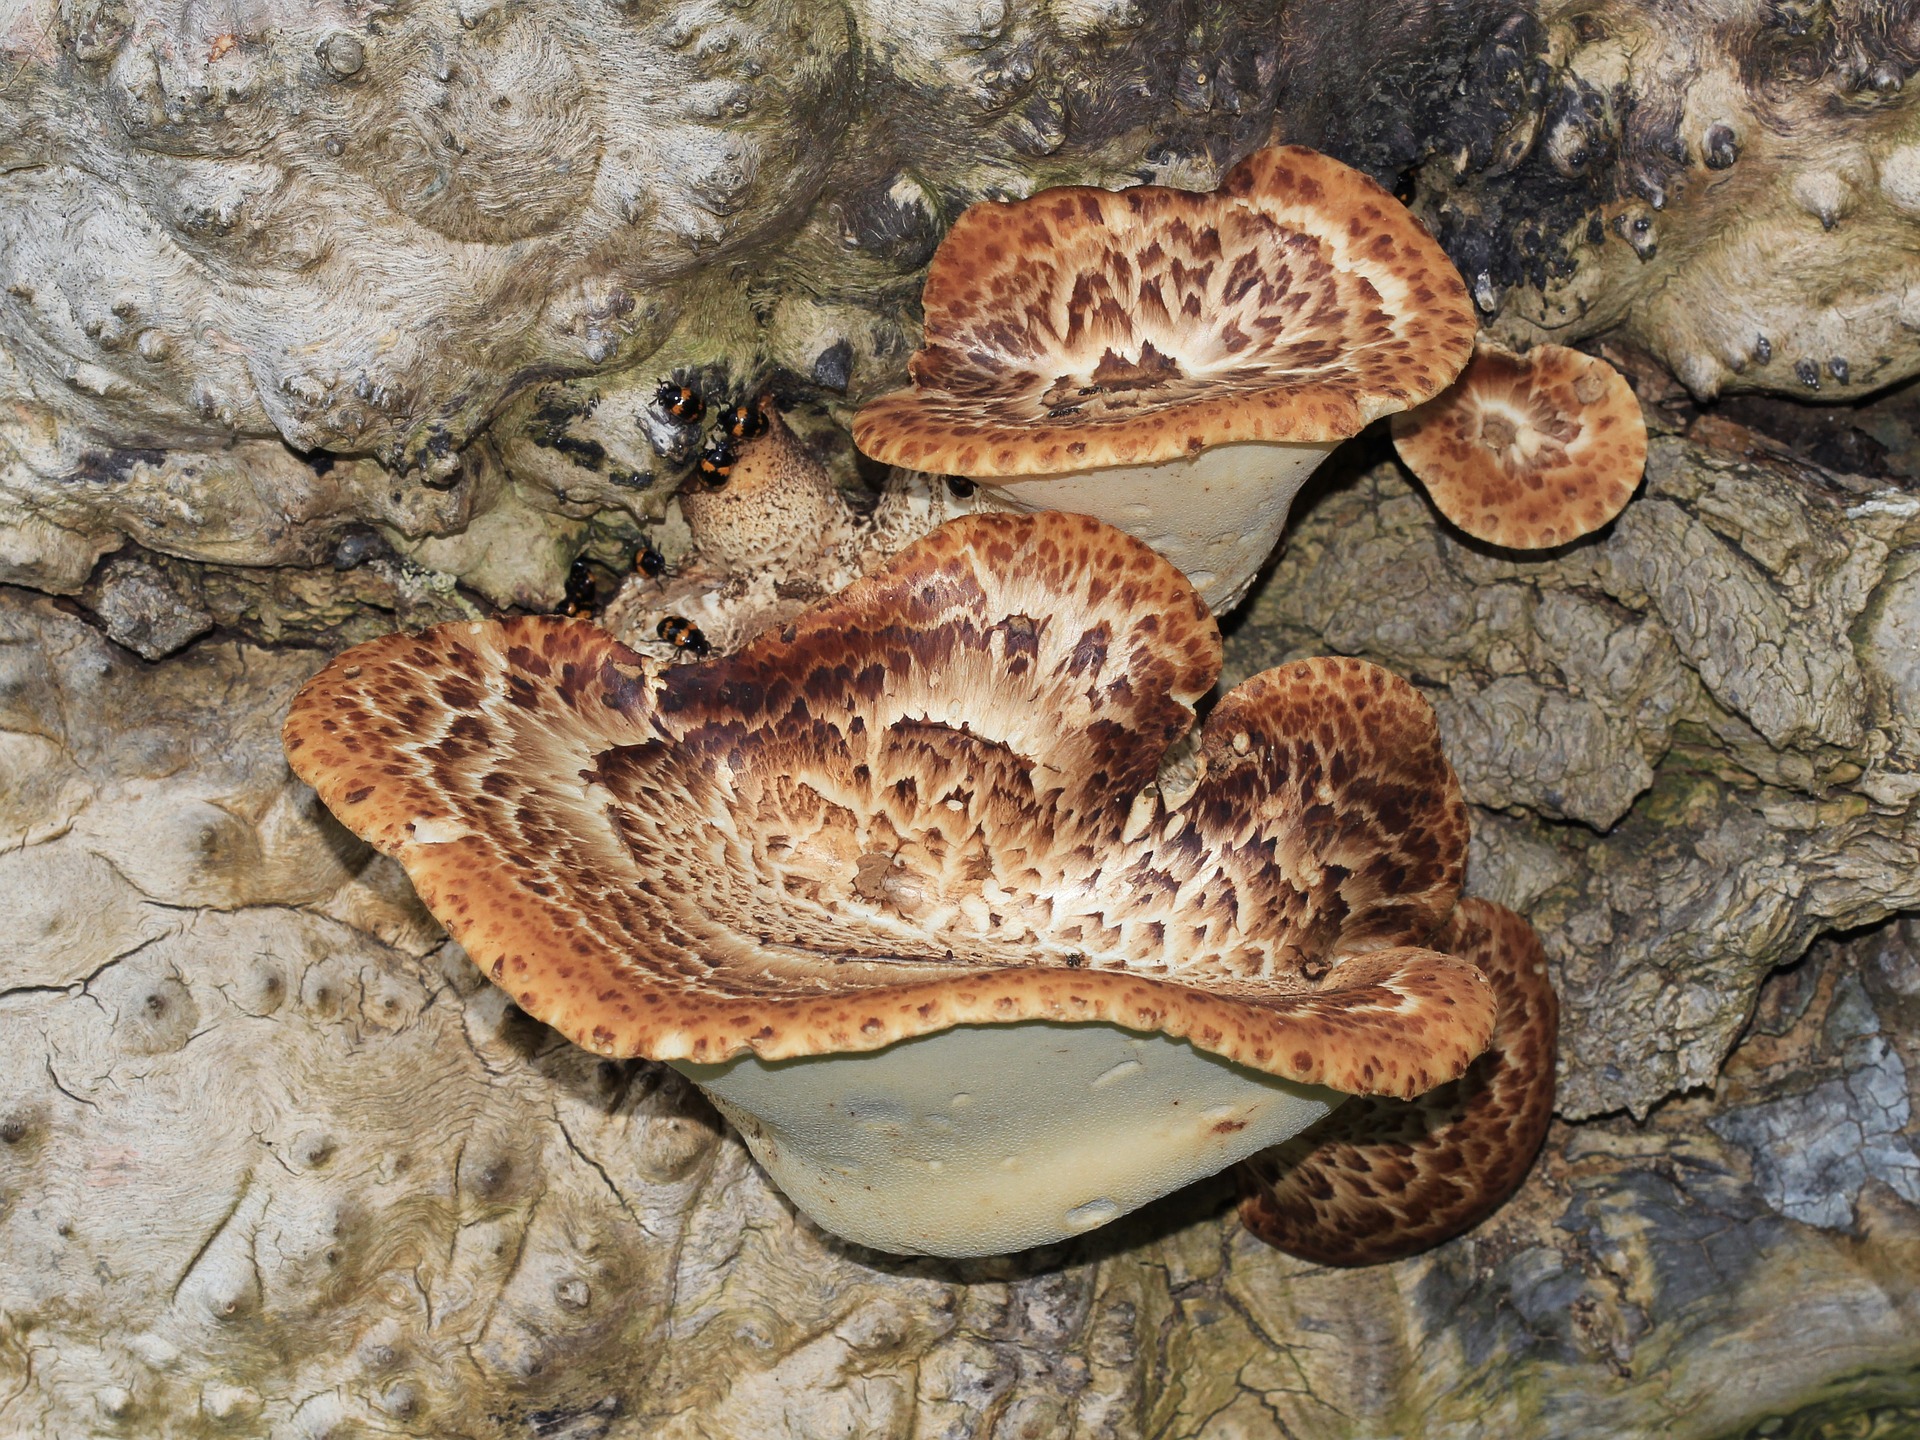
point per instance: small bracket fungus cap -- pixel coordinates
(1530, 450)
(1084, 328)
(777, 506)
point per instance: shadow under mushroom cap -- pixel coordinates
(924, 804)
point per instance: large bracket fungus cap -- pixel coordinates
(1528, 451)
(916, 820)
(1171, 362)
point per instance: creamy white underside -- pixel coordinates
(1216, 515)
(986, 1139)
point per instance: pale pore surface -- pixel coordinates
(1216, 516)
(985, 1140)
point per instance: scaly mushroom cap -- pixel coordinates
(777, 506)
(1379, 1179)
(921, 805)
(1528, 450)
(1082, 328)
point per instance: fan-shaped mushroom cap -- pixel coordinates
(1386, 1178)
(927, 805)
(1528, 450)
(1082, 328)
(1108, 334)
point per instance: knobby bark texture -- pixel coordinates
(321, 320)
(269, 270)
(1720, 689)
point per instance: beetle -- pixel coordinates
(716, 461)
(744, 421)
(683, 634)
(680, 401)
(582, 593)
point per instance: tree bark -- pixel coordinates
(264, 270)
(317, 322)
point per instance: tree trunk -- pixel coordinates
(315, 322)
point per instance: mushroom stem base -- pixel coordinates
(1217, 515)
(985, 1139)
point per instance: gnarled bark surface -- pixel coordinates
(236, 245)
(1719, 689)
(316, 322)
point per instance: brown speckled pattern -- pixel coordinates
(917, 806)
(1379, 1179)
(778, 504)
(1528, 450)
(1081, 328)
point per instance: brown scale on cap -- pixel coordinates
(1379, 1179)
(777, 499)
(1528, 450)
(921, 805)
(1082, 328)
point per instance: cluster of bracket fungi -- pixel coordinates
(895, 868)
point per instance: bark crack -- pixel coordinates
(600, 1170)
(246, 1184)
(54, 1076)
(78, 985)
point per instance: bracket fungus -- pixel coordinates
(1528, 450)
(893, 883)
(1384, 1178)
(772, 503)
(1175, 363)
